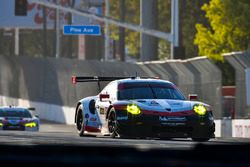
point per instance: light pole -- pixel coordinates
(57, 32)
(16, 41)
(174, 26)
(107, 40)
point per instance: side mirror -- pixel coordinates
(32, 108)
(193, 97)
(104, 97)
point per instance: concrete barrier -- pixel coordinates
(241, 128)
(47, 81)
(226, 127)
(52, 112)
(217, 128)
(240, 61)
(232, 128)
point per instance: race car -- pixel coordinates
(18, 118)
(142, 107)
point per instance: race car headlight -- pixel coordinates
(30, 124)
(1, 124)
(200, 109)
(133, 109)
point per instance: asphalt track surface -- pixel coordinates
(60, 145)
(59, 134)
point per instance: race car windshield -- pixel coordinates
(15, 113)
(148, 91)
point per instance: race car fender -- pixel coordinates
(84, 103)
(90, 114)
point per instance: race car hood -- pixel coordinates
(164, 105)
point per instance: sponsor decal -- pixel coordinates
(122, 118)
(87, 116)
(154, 103)
(175, 104)
(164, 118)
(173, 123)
(92, 119)
(102, 111)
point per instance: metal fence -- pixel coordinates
(240, 62)
(48, 80)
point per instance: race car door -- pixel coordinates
(106, 97)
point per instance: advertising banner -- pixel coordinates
(34, 18)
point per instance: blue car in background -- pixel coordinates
(18, 118)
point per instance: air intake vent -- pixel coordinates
(168, 109)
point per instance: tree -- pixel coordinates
(164, 20)
(132, 16)
(229, 28)
(190, 14)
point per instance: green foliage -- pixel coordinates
(164, 20)
(229, 28)
(164, 50)
(190, 14)
(132, 16)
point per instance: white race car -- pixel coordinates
(18, 118)
(137, 107)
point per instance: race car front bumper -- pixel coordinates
(18, 127)
(13, 127)
(168, 126)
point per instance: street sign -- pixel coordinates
(81, 30)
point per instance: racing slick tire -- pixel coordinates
(115, 129)
(80, 121)
(112, 123)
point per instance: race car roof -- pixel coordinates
(16, 108)
(13, 108)
(143, 80)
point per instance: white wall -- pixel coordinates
(241, 128)
(217, 128)
(45, 111)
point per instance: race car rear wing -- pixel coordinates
(75, 79)
(97, 79)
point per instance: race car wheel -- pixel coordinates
(112, 123)
(80, 121)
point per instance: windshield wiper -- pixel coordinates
(154, 94)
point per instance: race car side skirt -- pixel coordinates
(92, 129)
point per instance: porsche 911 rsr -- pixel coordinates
(136, 107)
(17, 118)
